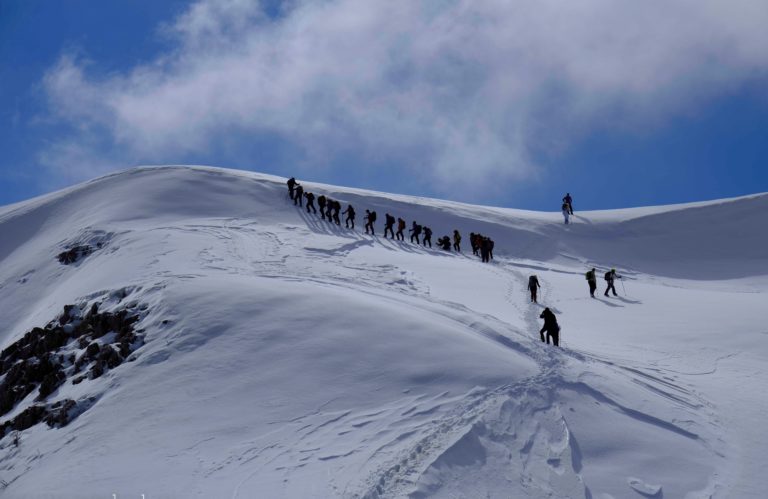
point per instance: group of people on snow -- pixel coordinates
(330, 209)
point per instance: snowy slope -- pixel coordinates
(286, 357)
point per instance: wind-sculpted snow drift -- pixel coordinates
(282, 356)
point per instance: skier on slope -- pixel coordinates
(400, 228)
(550, 326)
(609, 278)
(350, 213)
(427, 237)
(592, 281)
(310, 202)
(569, 201)
(389, 222)
(533, 287)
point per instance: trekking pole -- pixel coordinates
(622, 286)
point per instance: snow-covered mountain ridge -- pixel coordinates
(282, 356)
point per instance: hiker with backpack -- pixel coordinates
(569, 201)
(400, 228)
(389, 222)
(350, 213)
(321, 200)
(336, 209)
(310, 202)
(473, 243)
(298, 193)
(427, 237)
(485, 249)
(609, 278)
(457, 241)
(533, 287)
(592, 281)
(329, 204)
(291, 184)
(551, 327)
(370, 217)
(445, 243)
(415, 232)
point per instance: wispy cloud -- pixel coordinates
(466, 93)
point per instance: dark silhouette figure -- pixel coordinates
(350, 213)
(474, 242)
(388, 224)
(569, 201)
(609, 278)
(415, 232)
(291, 184)
(485, 249)
(298, 195)
(457, 241)
(445, 243)
(427, 237)
(533, 287)
(550, 326)
(370, 217)
(400, 228)
(566, 214)
(321, 200)
(310, 202)
(592, 281)
(336, 209)
(491, 244)
(329, 204)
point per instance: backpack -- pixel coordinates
(608, 276)
(372, 216)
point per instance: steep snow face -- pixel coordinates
(284, 356)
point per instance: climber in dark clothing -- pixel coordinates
(427, 237)
(533, 287)
(336, 209)
(310, 202)
(550, 326)
(298, 195)
(473, 242)
(592, 281)
(321, 203)
(485, 249)
(350, 213)
(415, 232)
(329, 204)
(569, 201)
(389, 222)
(370, 217)
(445, 243)
(491, 244)
(400, 228)
(609, 277)
(457, 241)
(291, 184)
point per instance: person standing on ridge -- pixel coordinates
(298, 195)
(550, 326)
(569, 201)
(592, 281)
(400, 229)
(533, 287)
(457, 241)
(565, 212)
(321, 203)
(350, 213)
(609, 278)
(427, 237)
(370, 217)
(415, 232)
(291, 184)
(389, 222)
(310, 202)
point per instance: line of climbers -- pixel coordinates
(330, 209)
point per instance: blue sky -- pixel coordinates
(501, 103)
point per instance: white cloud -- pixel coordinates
(465, 91)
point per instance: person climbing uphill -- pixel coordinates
(609, 278)
(389, 222)
(427, 237)
(550, 326)
(400, 228)
(291, 185)
(566, 215)
(321, 200)
(370, 217)
(533, 287)
(415, 232)
(457, 241)
(569, 201)
(298, 195)
(350, 213)
(310, 202)
(592, 281)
